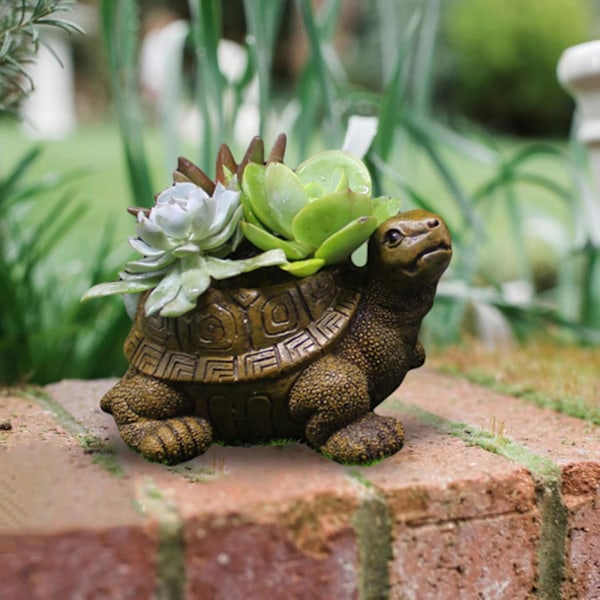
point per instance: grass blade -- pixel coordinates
(423, 59)
(263, 18)
(206, 32)
(395, 91)
(120, 22)
(318, 67)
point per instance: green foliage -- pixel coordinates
(504, 60)
(19, 42)
(120, 21)
(409, 140)
(45, 333)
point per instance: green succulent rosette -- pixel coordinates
(318, 215)
(302, 220)
(185, 240)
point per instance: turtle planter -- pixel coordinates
(266, 355)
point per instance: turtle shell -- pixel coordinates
(263, 324)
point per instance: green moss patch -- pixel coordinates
(101, 453)
(373, 528)
(171, 547)
(200, 473)
(561, 377)
(547, 476)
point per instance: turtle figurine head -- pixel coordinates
(305, 354)
(412, 249)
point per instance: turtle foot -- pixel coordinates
(169, 441)
(370, 438)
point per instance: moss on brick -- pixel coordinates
(373, 528)
(98, 449)
(200, 473)
(170, 559)
(560, 377)
(553, 537)
(547, 477)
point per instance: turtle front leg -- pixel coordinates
(154, 419)
(332, 396)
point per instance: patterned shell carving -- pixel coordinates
(239, 333)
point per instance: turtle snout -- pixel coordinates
(416, 223)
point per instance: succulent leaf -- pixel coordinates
(314, 190)
(152, 234)
(195, 174)
(343, 183)
(248, 212)
(127, 276)
(344, 241)
(225, 203)
(223, 269)
(165, 291)
(360, 255)
(286, 196)
(304, 268)
(150, 263)
(221, 237)
(178, 306)
(328, 214)
(195, 279)
(254, 186)
(143, 248)
(322, 168)
(267, 241)
(385, 207)
(119, 287)
(186, 250)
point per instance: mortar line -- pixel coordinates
(89, 442)
(571, 406)
(170, 551)
(170, 558)
(547, 478)
(373, 528)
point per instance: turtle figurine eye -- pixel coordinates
(392, 237)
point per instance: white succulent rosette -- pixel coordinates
(184, 242)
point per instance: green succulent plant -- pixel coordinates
(185, 241)
(317, 215)
(302, 220)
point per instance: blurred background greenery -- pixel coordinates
(473, 125)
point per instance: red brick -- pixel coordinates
(463, 519)
(258, 502)
(562, 439)
(250, 504)
(572, 444)
(81, 399)
(68, 528)
(241, 560)
(262, 503)
(581, 493)
(107, 563)
(477, 558)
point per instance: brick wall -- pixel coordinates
(490, 498)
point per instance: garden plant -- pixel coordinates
(520, 194)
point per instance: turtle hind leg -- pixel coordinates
(332, 397)
(155, 419)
